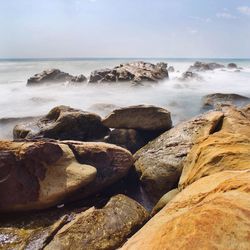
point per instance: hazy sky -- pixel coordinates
(124, 28)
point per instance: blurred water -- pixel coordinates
(183, 99)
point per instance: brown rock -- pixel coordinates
(105, 228)
(36, 175)
(142, 117)
(64, 123)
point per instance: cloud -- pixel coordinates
(245, 10)
(192, 31)
(225, 15)
(201, 19)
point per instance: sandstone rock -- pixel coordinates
(36, 175)
(165, 199)
(213, 100)
(211, 213)
(159, 164)
(189, 75)
(136, 72)
(232, 66)
(105, 228)
(111, 162)
(53, 76)
(142, 117)
(64, 123)
(201, 66)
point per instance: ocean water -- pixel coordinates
(183, 99)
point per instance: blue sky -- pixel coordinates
(124, 28)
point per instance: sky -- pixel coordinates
(125, 28)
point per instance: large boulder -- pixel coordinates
(211, 213)
(202, 66)
(105, 228)
(159, 164)
(36, 175)
(136, 72)
(143, 117)
(54, 76)
(111, 162)
(64, 123)
(211, 101)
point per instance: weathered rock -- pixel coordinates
(136, 72)
(211, 213)
(189, 75)
(64, 123)
(142, 117)
(213, 100)
(165, 199)
(159, 164)
(130, 139)
(105, 228)
(36, 175)
(53, 76)
(111, 162)
(171, 69)
(202, 66)
(232, 66)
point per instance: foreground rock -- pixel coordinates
(142, 117)
(111, 162)
(64, 123)
(36, 175)
(213, 100)
(54, 76)
(202, 66)
(159, 164)
(105, 228)
(211, 213)
(135, 72)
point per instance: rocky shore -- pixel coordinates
(131, 180)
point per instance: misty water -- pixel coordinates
(183, 99)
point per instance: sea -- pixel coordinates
(182, 99)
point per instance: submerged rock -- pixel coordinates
(159, 163)
(54, 76)
(105, 228)
(189, 75)
(232, 66)
(64, 123)
(202, 66)
(211, 101)
(136, 72)
(37, 175)
(171, 69)
(142, 117)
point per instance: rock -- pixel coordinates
(201, 66)
(136, 72)
(37, 175)
(159, 164)
(105, 228)
(53, 76)
(213, 100)
(232, 66)
(111, 162)
(142, 117)
(165, 199)
(211, 213)
(64, 123)
(130, 139)
(188, 75)
(171, 69)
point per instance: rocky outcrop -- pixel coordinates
(202, 66)
(111, 162)
(105, 228)
(135, 72)
(36, 175)
(159, 164)
(211, 101)
(64, 123)
(142, 117)
(54, 76)
(211, 213)
(232, 66)
(189, 75)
